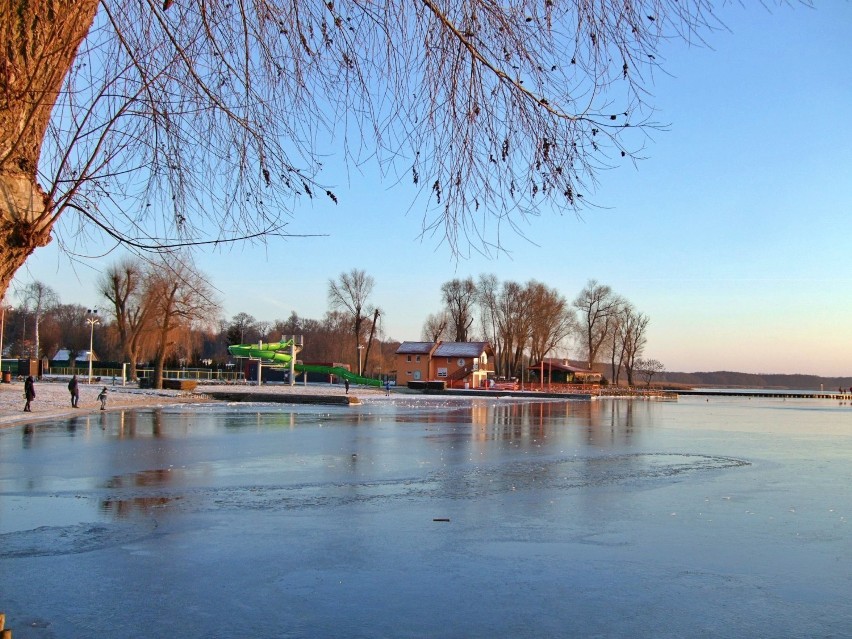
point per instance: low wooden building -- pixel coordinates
(562, 371)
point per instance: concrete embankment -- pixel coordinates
(280, 398)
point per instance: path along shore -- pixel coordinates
(53, 400)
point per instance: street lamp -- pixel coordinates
(2, 324)
(91, 320)
(360, 348)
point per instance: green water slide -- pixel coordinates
(279, 354)
(341, 372)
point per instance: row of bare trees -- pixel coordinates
(610, 324)
(152, 304)
(347, 334)
(532, 321)
(151, 310)
(157, 311)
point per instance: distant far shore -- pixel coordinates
(731, 379)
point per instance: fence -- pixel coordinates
(110, 374)
(601, 391)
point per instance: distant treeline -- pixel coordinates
(729, 379)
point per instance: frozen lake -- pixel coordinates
(408, 518)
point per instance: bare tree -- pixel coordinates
(374, 331)
(596, 305)
(207, 118)
(243, 328)
(330, 339)
(633, 338)
(435, 327)
(487, 288)
(460, 302)
(74, 332)
(513, 319)
(517, 318)
(179, 296)
(123, 285)
(37, 298)
(293, 325)
(626, 339)
(552, 321)
(647, 368)
(510, 312)
(614, 344)
(350, 293)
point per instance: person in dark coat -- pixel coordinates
(29, 393)
(74, 389)
(102, 396)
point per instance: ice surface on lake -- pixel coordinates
(725, 518)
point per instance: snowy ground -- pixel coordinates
(53, 399)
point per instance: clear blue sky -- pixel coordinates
(734, 235)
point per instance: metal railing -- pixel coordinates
(113, 375)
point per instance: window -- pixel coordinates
(442, 372)
(408, 358)
(418, 358)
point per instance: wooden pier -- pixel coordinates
(734, 392)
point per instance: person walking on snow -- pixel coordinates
(29, 393)
(102, 396)
(74, 389)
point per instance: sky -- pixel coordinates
(733, 235)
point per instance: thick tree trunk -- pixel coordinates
(370, 341)
(40, 40)
(159, 364)
(162, 351)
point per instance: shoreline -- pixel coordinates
(53, 400)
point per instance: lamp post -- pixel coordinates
(2, 325)
(360, 348)
(91, 320)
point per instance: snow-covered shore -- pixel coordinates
(53, 399)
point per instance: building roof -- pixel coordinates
(63, 355)
(415, 348)
(461, 349)
(553, 363)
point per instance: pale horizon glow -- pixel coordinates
(733, 234)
